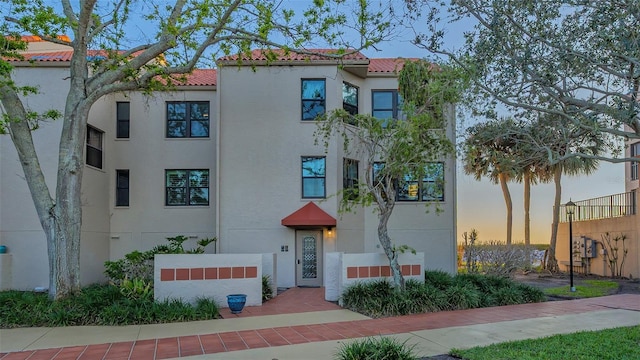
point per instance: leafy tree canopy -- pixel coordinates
(577, 60)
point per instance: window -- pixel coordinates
(432, 186)
(313, 177)
(350, 98)
(187, 187)
(350, 178)
(94, 147)
(386, 104)
(122, 120)
(635, 152)
(410, 188)
(187, 119)
(122, 187)
(313, 98)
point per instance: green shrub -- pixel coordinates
(376, 348)
(462, 296)
(267, 291)
(139, 265)
(438, 279)
(509, 295)
(97, 305)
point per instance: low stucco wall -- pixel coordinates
(343, 270)
(595, 229)
(191, 276)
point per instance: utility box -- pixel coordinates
(590, 248)
(577, 249)
(583, 247)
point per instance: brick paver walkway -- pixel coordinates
(251, 339)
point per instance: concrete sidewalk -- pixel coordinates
(317, 335)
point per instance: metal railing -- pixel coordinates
(604, 207)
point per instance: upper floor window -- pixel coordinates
(350, 178)
(313, 177)
(93, 154)
(411, 188)
(187, 187)
(313, 98)
(122, 187)
(635, 152)
(350, 98)
(188, 119)
(122, 120)
(386, 104)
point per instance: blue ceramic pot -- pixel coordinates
(236, 302)
(3, 249)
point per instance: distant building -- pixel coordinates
(230, 153)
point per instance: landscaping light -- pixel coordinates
(571, 208)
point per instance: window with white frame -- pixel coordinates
(313, 177)
(93, 156)
(187, 187)
(188, 119)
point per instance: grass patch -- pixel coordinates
(96, 305)
(615, 344)
(586, 289)
(439, 292)
(375, 348)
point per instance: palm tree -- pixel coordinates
(489, 152)
(556, 139)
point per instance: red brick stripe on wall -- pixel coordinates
(415, 269)
(167, 274)
(210, 273)
(237, 272)
(224, 273)
(182, 274)
(197, 274)
(354, 272)
(251, 272)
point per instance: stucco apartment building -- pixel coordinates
(229, 153)
(593, 219)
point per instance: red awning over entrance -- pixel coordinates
(309, 215)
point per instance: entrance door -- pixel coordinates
(309, 258)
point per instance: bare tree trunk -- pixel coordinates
(527, 206)
(507, 199)
(61, 224)
(552, 262)
(392, 255)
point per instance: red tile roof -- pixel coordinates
(309, 215)
(281, 55)
(387, 65)
(199, 77)
(33, 38)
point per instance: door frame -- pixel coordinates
(318, 281)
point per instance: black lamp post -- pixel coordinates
(571, 208)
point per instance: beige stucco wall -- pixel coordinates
(147, 221)
(260, 181)
(20, 228)
(628, 225)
